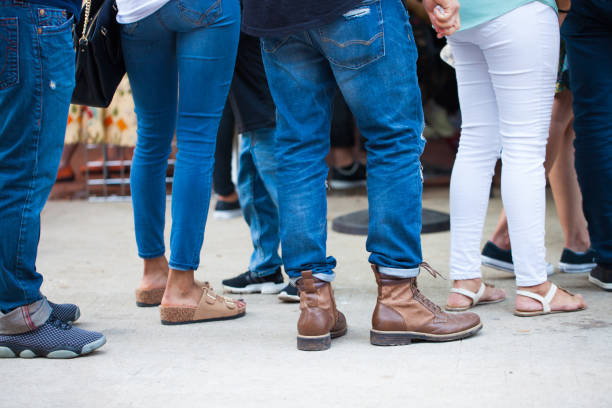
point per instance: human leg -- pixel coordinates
(361, 50)
(206, 51)
(36, 84)
(586, 32)
(479, 149)
(258, 199)
(147, 51)
(524, 130)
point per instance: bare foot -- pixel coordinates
(457, 300)
(155, 273)
(562, 301)
(182, 290)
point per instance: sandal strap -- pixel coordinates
(544, 300)
(468, 293)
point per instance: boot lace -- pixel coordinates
(420, 297)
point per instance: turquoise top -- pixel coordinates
(475, 12)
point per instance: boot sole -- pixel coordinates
(318, 343)
(402, 338)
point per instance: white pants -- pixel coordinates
(506, 72)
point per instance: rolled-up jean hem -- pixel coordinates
(326, 277)
(25, 318)
(530, 282)
(464, 276)
(399, 273)
(152, 254)
(182, 267)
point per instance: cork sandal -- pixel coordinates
(474, 296)
(545, 301)
(153, 297)
(212, 307)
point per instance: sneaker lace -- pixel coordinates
(55, 321)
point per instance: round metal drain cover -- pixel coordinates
(356, 223)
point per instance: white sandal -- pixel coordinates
(474, 296)
(544, 300)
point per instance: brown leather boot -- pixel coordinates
(319, 321)
(403, 314)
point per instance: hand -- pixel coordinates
(444, 15)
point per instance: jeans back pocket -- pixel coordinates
(200, 13)
(9, 52)
(356, 38)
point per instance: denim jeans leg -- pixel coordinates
(373, 58)
(36, 84)
(193, 44)
(587, 32)
(148, 52)
(258, 199)
(302, 142)
(206, 59)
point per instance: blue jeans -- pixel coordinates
(36, 83)
(258, 199)
(182, 56)
(587, 32)
(371, 56)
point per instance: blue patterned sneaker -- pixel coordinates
(54, 339)
(572, 262)
(66, 312)
(501, 259)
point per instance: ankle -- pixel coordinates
(180, 283)
(578, 245)
(470, 284)
(541, 289)
(501, 241)
(228, 198)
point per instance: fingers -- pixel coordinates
(445, 17)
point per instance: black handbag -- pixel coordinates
(99, 57)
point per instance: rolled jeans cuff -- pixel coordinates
(399, 273)
(326, 277)
(25, 318)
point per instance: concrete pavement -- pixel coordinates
(88, 255)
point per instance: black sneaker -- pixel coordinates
(351, 176)
(501, 259)
(289, 293)
(66, 312)
(601, 277)
(247, 282)
(227, 209)
(571, 262)
(54, 339)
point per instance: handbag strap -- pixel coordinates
(86, 20)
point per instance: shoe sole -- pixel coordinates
(215, 319)
(288, 298)
(542, 313)
(226, 215)
(597, 282)
(576, 268)
(140, 304)
(508, 267)
(345, 185)
(267, 288)
(400, 338)
(318, 343)
(6, 352)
